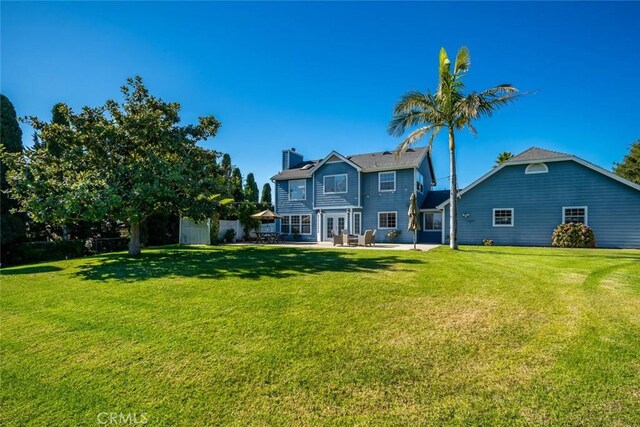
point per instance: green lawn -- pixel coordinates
(285, 336)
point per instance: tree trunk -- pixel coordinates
(453, 195)
(134, 239)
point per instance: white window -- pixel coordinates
(284, 225)
(419, 182)
(575, 214)
(503, 217)
(335, 184)
(357, 221)
(386, 181)
(432, 221)
(387, 219)
(298, 189)
(305, 228)
(536, 168)
(296, 224)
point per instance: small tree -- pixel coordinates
(236, 185)
(226, 166)
(265, 198)
(251, 189)
(629, 168)
(120, 162)
(503, 157)
(245, 210)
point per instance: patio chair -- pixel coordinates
(366, 239)
(373, 237)
(339, 239)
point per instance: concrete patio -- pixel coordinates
(329, 245)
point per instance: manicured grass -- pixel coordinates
(284, 336)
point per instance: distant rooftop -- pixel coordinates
(535, 153)
(368, 162)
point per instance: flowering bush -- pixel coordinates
(393, 234)
(573, 236)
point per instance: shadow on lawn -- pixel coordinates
(244, 263)
(35, 269)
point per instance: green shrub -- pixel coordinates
(229, 235)
(26, 253)
(573, 236)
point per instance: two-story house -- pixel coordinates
(354, 193)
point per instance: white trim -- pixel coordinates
(328, 208)
(354, 221)
(338, 155)
(424, 220)
(530, 171)
(324, 184)
(586, 213)
(289, 190)
(559, 159)
(388, 212)
(359, 185)
(394, 181)
(493, 217)
(416, 172)
(444, 224)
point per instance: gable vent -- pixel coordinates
(536, 168)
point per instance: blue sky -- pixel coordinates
(324, 76)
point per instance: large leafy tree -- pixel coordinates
(251, 189)
(426, 114)
(121, 161)
(629, 168)
(12, 228)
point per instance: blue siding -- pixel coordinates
(374, 201)
(284, 206)
(537, 200)
(350, 198)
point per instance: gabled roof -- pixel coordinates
(369, 162)
(535, 154)
(434, 198)
(539, 155)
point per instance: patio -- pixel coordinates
(329, 245)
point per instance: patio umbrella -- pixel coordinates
(414, 224)
(267, 215)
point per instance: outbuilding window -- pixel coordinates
(503, 217)
(575, 214)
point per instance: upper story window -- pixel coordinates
(419, 182)
(335, 184)
(503, 217)
(575, 214)
(298, 189)
(432, 221)
(536, 168)
(387, 181)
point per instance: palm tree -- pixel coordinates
(448, 108)
(503, 157)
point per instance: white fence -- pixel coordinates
(195, 233)
(199, 233)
